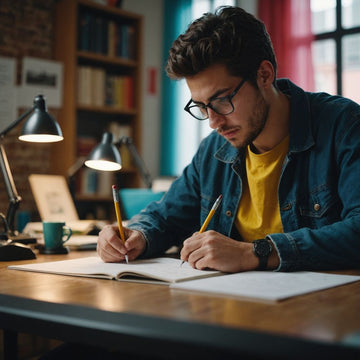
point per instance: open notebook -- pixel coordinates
(161, 270)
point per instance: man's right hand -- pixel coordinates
(111, 248)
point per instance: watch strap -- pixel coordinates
(262, 249)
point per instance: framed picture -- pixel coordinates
(53, 198)
(41, 77)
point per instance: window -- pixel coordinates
(336, 48)
(191, 131)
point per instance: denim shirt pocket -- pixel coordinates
(319, 208)
(207, 202)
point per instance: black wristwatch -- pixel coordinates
(262, 249)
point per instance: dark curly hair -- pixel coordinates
(230, 36)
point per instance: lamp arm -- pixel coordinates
(13, 195)
(74, 168)
(16, 122)
(138, 160)
(14, 198)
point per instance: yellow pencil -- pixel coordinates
(118, 216)
(209, 217)
(211, 214)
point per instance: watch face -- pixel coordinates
(262, 248)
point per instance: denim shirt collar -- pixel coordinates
(227, 153)
(301, 137)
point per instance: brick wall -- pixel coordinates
(26, 29)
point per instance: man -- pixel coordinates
(285, 161)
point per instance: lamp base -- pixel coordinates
(10, 251)
(22, 238)
(61, 250)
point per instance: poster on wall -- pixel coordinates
(41, 77)
(7, 92)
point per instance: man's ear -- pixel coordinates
(265, 74)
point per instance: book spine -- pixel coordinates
(119, 40)
(109, 90)
(118, 131)
(98, 87)
(124, 52)
(131, 43)
(84, 85)
(111, 38)
(93, 86)
(98, 24)
(84, 31)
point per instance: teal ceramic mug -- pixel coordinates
(56, 233)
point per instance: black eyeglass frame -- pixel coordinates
(228, 97)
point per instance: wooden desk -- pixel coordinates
(153, 319)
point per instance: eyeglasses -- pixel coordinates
(221, 105)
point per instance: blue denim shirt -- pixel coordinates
(319, 189)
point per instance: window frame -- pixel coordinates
(337, 35)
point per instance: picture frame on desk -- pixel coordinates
(54, 202)
(52, 197)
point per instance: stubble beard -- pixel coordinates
(256, 124)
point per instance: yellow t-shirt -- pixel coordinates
(258, 212)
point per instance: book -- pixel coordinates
(119, 131)
(84, 85)
(160, 270)
(111, 38)
(79, 227)
(98, 35)
(85, 21)
(91, 86)
(98, 87)
(268, 286)
(82, 242)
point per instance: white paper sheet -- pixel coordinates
(266, 285)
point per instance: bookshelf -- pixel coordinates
(101, 49)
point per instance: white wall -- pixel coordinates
(152, 42)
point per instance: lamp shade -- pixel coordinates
(41, 126)
(105, 156)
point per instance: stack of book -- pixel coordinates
(98, 88)
(105, 36)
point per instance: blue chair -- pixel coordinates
(134, 200)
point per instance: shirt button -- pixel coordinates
(286, 207)
(317, 207)
(228, 213)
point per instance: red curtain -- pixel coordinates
(289, 25)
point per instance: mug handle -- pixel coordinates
(66, 232)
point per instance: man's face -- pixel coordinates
(248, 119)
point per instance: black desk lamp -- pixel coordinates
(106, 156)
(39, 127)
